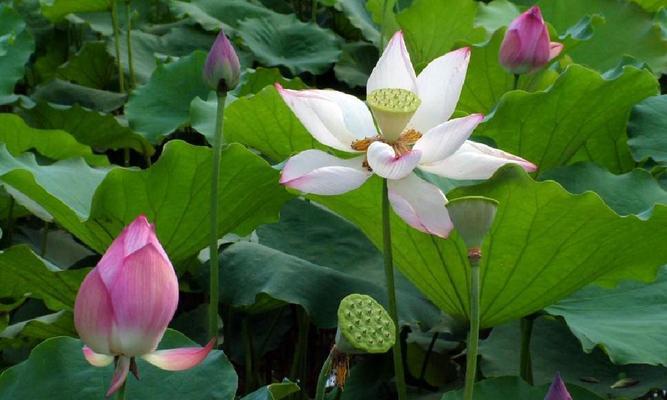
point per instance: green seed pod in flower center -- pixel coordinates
(392, 109)
(394, 100)
(364, 326)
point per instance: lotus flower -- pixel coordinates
(526, 46)
(412, 113)
(222, 68)
(557, 390)
(125, 304)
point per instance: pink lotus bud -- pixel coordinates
(126, 302)
(222, 68)
(526, 46)
(558, 391)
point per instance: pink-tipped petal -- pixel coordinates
(439, 87)
(93, 313)
(555, 49)
(96, 359)
(135, 236)
(119, 375)
(558, 390)
(145, 296)
(475, 161)
(384, 161)
(421, 205)
(179, 359)
(394, 68)
(443, 140)
(317, 172)
(333, 118)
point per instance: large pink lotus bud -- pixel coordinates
(526, 46)
(222, 69)
(126, 302)
(557, 390)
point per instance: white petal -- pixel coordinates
(333, 118)
(394, 69)
(421, 205)
(475, 161)
(317, 172)
(439, 87)
(384, 161)
(443, 140)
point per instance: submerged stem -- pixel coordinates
(391, 291)
(213, 246)
(473, 335)
(116, 40)
(526, 365)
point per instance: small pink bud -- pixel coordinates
(222, 69)
(526, 46)
(558, 391)
(125, 304)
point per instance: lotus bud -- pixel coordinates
(472, 217)
(125, 303)
(557, 390)
(526, 46)
(222, 69)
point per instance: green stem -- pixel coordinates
(473, 336)
(130, 63)
(45, 238)
(116, 40)
(391, 291)
(120, 394)
(322, 377)
(515, 86)
(126, 156)
(213, 247)
(526, 367)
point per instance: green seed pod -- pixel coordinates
(472, 217)
(365, 335)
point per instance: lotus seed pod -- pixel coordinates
(365, 335)
(392, 109)
(472, 217)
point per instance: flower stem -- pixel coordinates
(120, 394)
(525, 366)
(322, 377)
(213, 247)
(391, 291)
(116, 40)
(515, 86)
(473, 335)
(130, 63)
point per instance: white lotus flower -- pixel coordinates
(412, 114)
